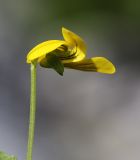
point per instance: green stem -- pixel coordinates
(32, 112)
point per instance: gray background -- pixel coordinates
(80, 116)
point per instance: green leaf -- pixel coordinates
(5, 156)
(53, 61)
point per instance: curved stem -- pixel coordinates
(32, 112)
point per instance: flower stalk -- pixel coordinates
(32, 112)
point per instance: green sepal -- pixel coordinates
(5, 156)
(53, 61)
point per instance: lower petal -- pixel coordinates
(96, 64)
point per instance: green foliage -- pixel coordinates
(5, 156)
(53, 61)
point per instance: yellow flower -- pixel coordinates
(69, 53)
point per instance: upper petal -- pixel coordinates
(73, 39)
(43, 48)
(96, 64)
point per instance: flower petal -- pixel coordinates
(43, 48)
(97, 64)
(76, 57)
(73, 39)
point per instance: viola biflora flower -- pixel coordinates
(69, 53)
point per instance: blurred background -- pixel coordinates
(80, 116)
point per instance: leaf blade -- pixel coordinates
(5, 156)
